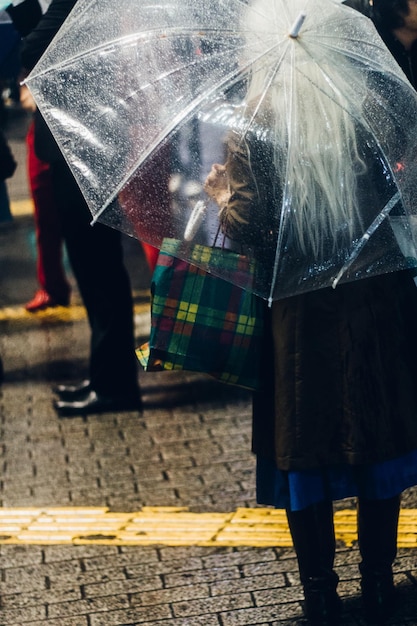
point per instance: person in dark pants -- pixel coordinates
(7, 168)
(96, 257)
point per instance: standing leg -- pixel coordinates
(96, 257)
(55, 288)
(377, 535)
(312, 532)
(6, 216)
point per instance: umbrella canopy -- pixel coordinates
(315, 121)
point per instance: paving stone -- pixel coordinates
(20, 555)
(80, 620)
(146, 557)
(204, 620)
(162, 568)
(213, 605)
(250, 617)
(243, 557)
(46, 574)
(252, 584)
(89, 605)
(128, 586)
(138, 615)
(261, 568)
(174, 595)
(22, 615)
(47, 597)
(283, 595)
(225, 575)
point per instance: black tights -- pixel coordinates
(312, 531)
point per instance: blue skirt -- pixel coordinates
(295, 490)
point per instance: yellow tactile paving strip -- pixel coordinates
(59, 314)
(170, 526)
(21, 207)
(19, 315)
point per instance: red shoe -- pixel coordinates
(43, 300)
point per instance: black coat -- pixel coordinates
(341, 381)
(7, 162)
(25, 16)
(406, 59)
(339, 366)
(33, 46)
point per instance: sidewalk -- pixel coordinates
(77, 494)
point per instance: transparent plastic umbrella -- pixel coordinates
(301, 97)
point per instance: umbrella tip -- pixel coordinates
(295, 30)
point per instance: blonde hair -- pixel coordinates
(312, 124)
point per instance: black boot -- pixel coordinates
(377, 536)
(312, 532)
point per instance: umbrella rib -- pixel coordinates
(334, 87)
(359, 57)
(283, 209)
(356, 56)
(97, 49)
(367, 235)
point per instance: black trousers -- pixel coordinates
(96, 257)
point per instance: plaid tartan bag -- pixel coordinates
(202, 323)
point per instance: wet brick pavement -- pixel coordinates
(189, 448)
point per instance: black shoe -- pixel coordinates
(73, 392)
(322, 605)
(94, 403)
(379, 598)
